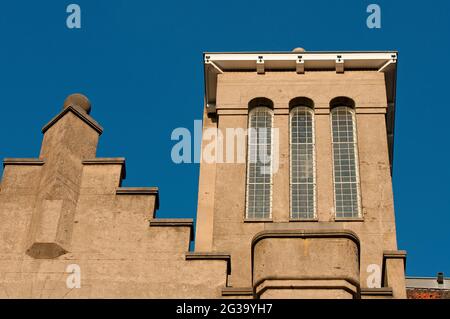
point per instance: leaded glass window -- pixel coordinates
(259, 166)
(345, 162)
(302, 168)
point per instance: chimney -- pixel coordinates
(440, 278)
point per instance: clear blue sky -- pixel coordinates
(140, 63)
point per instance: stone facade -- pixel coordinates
(68, 207)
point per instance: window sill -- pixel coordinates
(348, 219)
(258, 220)
(303, 220)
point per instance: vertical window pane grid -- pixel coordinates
(302, 164)
(346, 186)
(259, 170)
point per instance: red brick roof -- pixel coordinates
(427, 293)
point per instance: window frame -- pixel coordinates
(247, 186)
(352, 111)
(313, 130)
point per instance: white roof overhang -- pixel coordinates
(300, 62)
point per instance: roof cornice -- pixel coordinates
(301, 62)
(261, 62)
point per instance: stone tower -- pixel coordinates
(319, 223)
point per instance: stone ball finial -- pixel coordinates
(79, 100)
(299, 50)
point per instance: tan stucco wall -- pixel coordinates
(67, 207)
(376, 230)
(119, 254)
(288, 261)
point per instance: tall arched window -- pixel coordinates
(345, 162)
(302, 168)
(259, 164)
